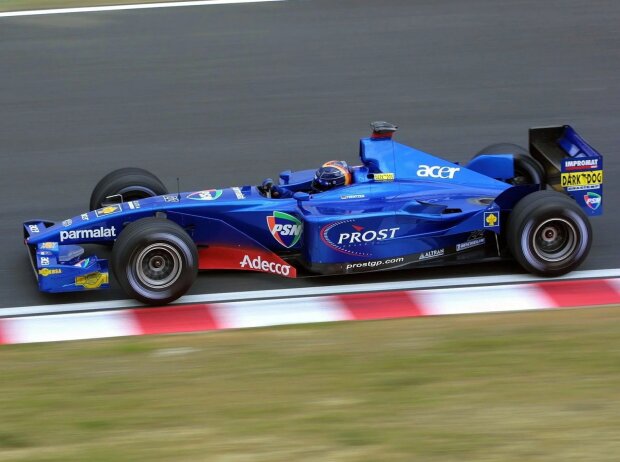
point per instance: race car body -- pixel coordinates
(403, 208)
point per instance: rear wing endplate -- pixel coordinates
(571, 165)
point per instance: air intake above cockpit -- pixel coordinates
(382, 130)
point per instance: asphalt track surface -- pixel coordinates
(231, 94)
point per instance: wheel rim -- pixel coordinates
(554, 240)
(158, 266)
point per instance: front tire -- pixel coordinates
(548, 234)
(131, 183)
(154, 260)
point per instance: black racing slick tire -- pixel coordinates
(131, 183)
(548, 234)
(527, 169)
(502, 148)
(154, 260)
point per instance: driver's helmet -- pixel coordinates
(332, 174)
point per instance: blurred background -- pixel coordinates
(231, 94)
(227, 95)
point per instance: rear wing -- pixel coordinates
(571, 165)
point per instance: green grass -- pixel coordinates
(538, 386)
(19, 5)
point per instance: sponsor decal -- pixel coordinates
(581, 164)
(264, 265)
(356, 238)
(592, 200)
(83, 264)
(491, 219)
(469, 244)
(48, 245)
(575, 180)
(353, 196)
(68, 222)
(45, 261)
(96, 233)
(285, 228)
(374, 263)
(108, 210)
(171, 198)
(425, 171)
(361, 235)
(33, 228)
(475, 239)
(92, 280)
(46, 271)
(133, 205)
(431, 254)
(383, 177)
(206, 195)
(238, 194)
(583, 188)
(84, 216)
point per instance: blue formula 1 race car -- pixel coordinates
(399, 208)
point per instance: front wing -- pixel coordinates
(62, 268)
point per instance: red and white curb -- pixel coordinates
(315, 309)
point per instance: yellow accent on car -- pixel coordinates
(46, 271)
(92, 280)
(491, 219)
(591, 178)
(383, 177)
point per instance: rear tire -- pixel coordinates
(155, 260)
(527, 169)
(548, 234)
(131, 183)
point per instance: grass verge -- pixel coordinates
(537, 386)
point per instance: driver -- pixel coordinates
(332, 174)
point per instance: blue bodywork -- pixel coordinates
(404, 208)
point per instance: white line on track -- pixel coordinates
(311, 291)
(141, 6)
